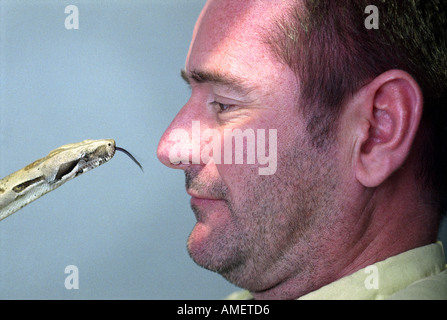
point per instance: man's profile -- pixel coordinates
(353, 208)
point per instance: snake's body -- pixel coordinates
(46, 174)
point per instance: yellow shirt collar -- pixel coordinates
(385, 278)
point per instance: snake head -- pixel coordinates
(71, 160)
(59, 166)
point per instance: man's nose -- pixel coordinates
(180, 145)
(173, 147)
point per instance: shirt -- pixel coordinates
(420, 273)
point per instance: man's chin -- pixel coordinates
(210, 250)
(200, 247)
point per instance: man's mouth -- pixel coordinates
(205, 205)
(198, 195)
(202, 200)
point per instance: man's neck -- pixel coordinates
(391, 220)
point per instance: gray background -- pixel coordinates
(116, 77)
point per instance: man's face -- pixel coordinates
(254, 229)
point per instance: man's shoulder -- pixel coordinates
(430, 288)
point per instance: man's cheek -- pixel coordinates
(248, 148)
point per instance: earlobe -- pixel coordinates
(391, 105)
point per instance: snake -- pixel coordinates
(48, 173)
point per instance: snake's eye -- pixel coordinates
(65, 169)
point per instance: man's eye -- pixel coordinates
(222, 107)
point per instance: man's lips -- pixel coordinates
(197, 195)
(201, 199)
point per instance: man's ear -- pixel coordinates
(387, 117)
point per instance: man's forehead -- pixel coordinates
(238, 5)
(232, 26)
(229, 43)
(233, 14)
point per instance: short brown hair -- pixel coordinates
(333, 54)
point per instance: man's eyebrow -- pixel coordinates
(233, 82)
